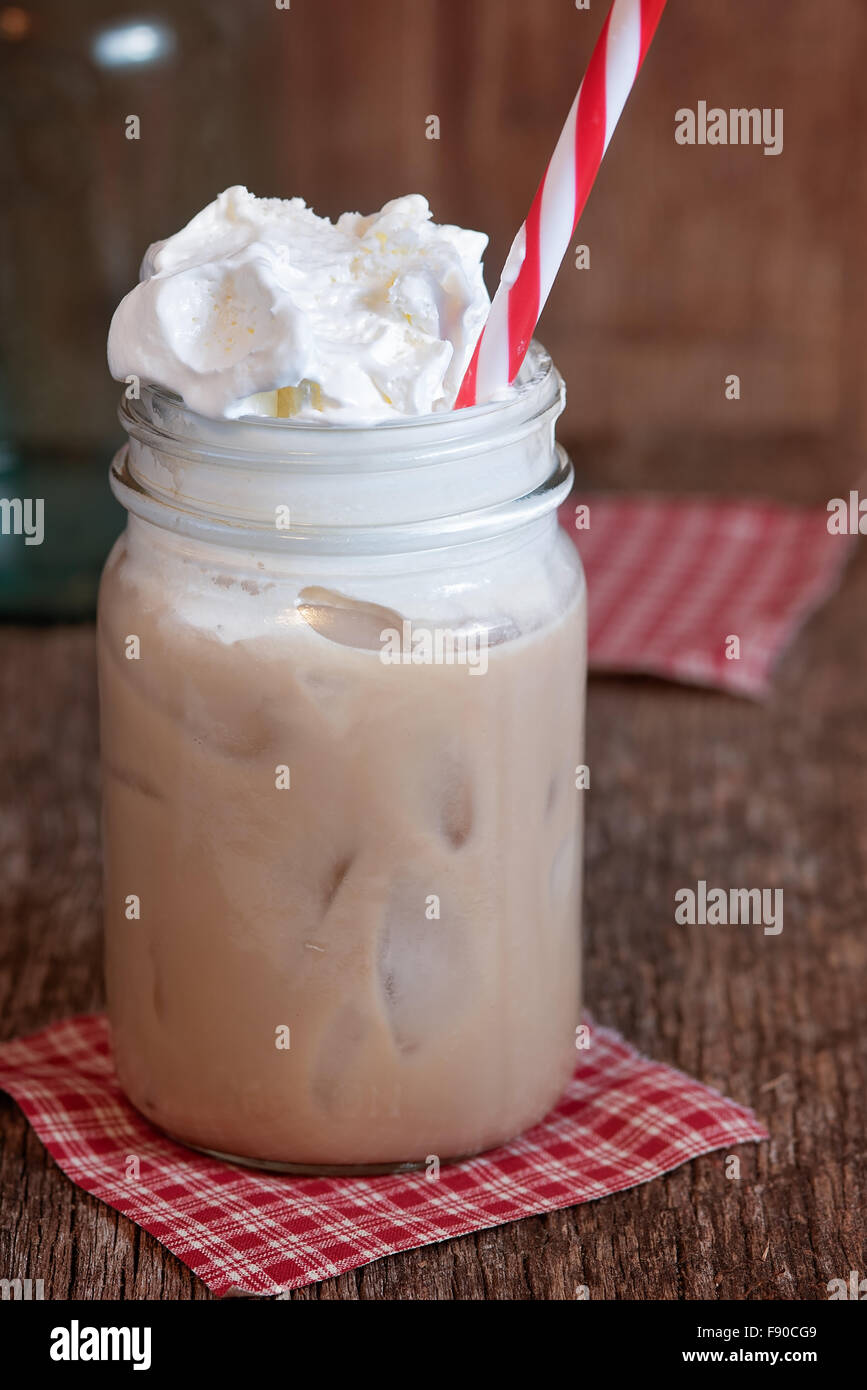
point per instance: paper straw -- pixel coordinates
(544, 239)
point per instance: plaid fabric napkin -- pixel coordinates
(671, 580)
(623, 1121)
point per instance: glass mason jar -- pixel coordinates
(342, 676)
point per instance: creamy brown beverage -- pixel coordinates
(309, 906)
(341, 823)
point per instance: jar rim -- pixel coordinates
(426, 482)
(158, 417)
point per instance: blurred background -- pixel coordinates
(704, 261)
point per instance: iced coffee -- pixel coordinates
(342, 666)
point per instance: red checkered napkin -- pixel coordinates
(623, 1121)
(670, 580)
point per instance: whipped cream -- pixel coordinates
(260, 307)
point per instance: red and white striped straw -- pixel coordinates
(544, 239)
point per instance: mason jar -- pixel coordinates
(342, 676)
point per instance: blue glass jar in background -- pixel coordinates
(110, 135)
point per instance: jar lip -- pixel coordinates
(159, 416)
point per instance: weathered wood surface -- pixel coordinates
(686, 784)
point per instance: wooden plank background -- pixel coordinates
(704, 261)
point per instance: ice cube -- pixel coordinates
(334, 879)
(423, 960)
(347, 621)
(131, 778)
(447, 781)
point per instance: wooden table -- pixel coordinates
(686, 784)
